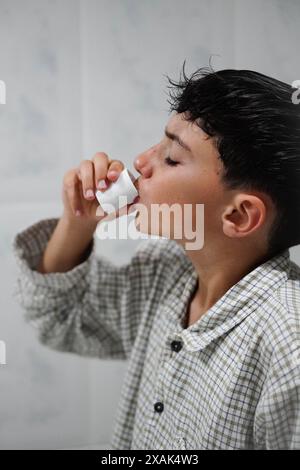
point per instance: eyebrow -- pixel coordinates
(177, 139)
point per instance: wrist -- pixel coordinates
(81, 223)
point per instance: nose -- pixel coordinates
(143, 162)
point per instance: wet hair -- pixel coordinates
(255, 127)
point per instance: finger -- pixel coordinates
(78, 173)
(75, 199)
(101, 162)
(100, 212)
(114, 170)
(86, 169)
(71, 188)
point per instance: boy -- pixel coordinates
(211, 335)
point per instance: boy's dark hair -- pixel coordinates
(256, 129)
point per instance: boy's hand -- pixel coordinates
(81, 183)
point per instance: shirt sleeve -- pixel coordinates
(93, 309)
(277, 417)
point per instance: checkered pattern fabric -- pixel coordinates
(229, 381)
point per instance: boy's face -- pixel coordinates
(194, 180)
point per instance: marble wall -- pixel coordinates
(84, 76)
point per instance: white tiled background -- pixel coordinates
(84, 76)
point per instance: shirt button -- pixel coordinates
(158, 406)
(176, 345)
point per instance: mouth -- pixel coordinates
(130, 207)
(135, 201)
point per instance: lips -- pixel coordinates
(136, 200)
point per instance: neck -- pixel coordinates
(218, 270)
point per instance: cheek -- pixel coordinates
(181, 186)
(162, 189)
(206, 188)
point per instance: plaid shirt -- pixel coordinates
(229, 381)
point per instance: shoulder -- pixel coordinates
(286, 301)
(280, 318)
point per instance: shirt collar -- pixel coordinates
(231, 309)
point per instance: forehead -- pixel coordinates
(188, 131)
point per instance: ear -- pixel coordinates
(244, 215)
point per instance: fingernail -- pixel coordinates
(102, 184)
(89, 193)
(112, 173)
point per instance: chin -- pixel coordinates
(153, 223)
(144, 224)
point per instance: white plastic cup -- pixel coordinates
(123, 186)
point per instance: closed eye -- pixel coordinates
(170, 162)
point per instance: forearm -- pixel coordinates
(67, 246)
